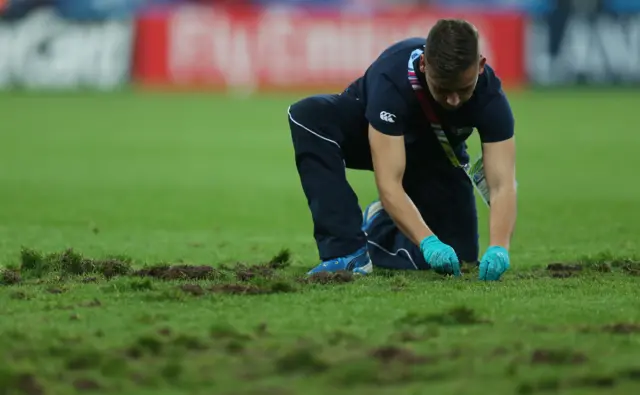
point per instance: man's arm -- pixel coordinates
(388, 154)
(500, 168)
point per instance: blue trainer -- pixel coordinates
(370, 212)
(358, 262)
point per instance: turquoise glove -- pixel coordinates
(441, 257)
(494, 263)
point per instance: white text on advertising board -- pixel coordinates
(43, 50)
(603, 50)
(280, 47)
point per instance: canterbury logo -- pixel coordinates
(387, 117)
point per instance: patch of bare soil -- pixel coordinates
(324, 278)
(267, 270)
(562, 270)
(601, 263)
(178, 272)
(10, 277)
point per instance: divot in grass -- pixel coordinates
(325, 278)
(460, 315)
(253, 289)
(35, 264)
(596, 263)
(10, 277)
(622, 328)
(267, 270)
(192, 289)
(238, 289)
(561, 270)
(393, 354)
(178, 272)
(84, 360)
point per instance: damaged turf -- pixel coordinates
(244, 272)
(10, 277)
(460, 315)
(35, 264)
(251, 289)
(392, 354)
(598, 263)
(178, 272)
(622, 328)
(324, 278)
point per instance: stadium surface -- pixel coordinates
(157, 244)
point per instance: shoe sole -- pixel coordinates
(364, 270)
(370, 212)
(360, 270)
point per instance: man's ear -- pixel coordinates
(423, 68)
(483, 61)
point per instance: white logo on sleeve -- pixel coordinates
(387, 117)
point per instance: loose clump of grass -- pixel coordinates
(260, 279)
(604, 262)
(281, 260)
(268, 270)
(169, 272)
(608, 258)
(327, 278)
(35, 264)
(10, 277)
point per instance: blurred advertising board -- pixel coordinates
(40, 49)
(527, 6)
(106, 9)
(584, 43)
(194, 47)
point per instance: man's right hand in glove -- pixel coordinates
(440, 256)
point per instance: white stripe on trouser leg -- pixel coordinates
(314, 133)
(392, 253)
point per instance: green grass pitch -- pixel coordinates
(166, 178)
